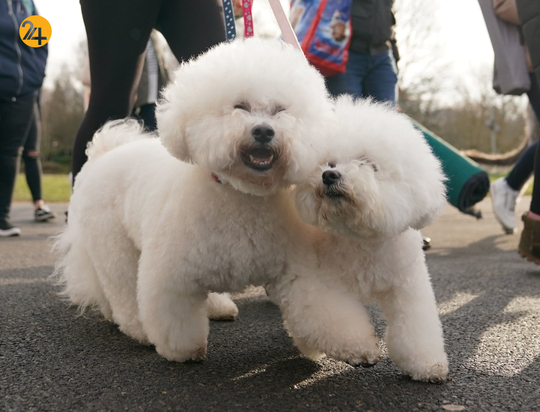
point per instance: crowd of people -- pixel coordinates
(126, 72)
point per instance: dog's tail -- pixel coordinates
(115, 133)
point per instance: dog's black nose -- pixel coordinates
(263, 133)
(329, 177)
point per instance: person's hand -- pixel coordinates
(237, 7)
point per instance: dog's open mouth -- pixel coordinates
(334, 195)
(259, 158)
(335, 192)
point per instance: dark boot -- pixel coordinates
(529, 244)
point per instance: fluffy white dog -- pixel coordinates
(150, 235)
(377, 190)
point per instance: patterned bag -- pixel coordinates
(324, 31)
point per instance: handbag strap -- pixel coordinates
(285, 26)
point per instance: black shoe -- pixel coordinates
(427, 243)
(43, 213)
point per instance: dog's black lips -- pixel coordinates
(333, 192)
(260, 158)
(334, 195)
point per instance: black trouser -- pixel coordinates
(524, 167)
(15, 119)
(534, 98)
(146, 113)
(30, 155)
(117, 32)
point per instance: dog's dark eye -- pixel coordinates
(331, 164)
(242, 106)
(365, 160)
(278, 109)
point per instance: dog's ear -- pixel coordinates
(171, 120)
(432, 212)
(431, 195)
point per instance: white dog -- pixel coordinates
(377, 189)
(150, 235)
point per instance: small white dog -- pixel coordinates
(150, 235)
(379, 187)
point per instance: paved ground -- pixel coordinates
(489, 301)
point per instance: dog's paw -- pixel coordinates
(365, 356)
(306, 350)
(106, 311)
(221, 307)
(135, 331)
(178, 355)
(362, 351)
(433, 373)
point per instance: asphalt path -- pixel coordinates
(488, 298)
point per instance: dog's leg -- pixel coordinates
(172, 311)
(414, 334)
(325, 318)
(221, 307)
(76, 272)
(115, 260)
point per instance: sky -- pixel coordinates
(461, 33)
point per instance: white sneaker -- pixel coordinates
(504, 199)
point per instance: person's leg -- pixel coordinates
(534, 99)
(336, 84)
(529, 244)
(147, 113)
(534, 96)
(117, 34)
(505, 191)
(191, 27)
(352, 81)
(30, 155)
(32, 168)
(535, 201)
(523, 169)
(381, 80)
(14, 119)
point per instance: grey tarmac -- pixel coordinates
(488, 298)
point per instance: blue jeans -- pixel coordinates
(367, 75)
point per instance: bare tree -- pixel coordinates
(62, 112)
(423, 66)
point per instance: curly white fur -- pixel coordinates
(149, 236)
(386, 183)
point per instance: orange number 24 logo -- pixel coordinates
(35, 31)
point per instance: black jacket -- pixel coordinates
(22, 68)
(372, 26)
(529, 14)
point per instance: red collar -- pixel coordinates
(216, 178)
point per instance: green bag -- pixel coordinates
(467, 182)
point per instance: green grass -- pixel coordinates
(55, 188)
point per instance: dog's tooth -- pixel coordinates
(251, 158)
(271, 158)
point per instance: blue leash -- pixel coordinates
(228, 13)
